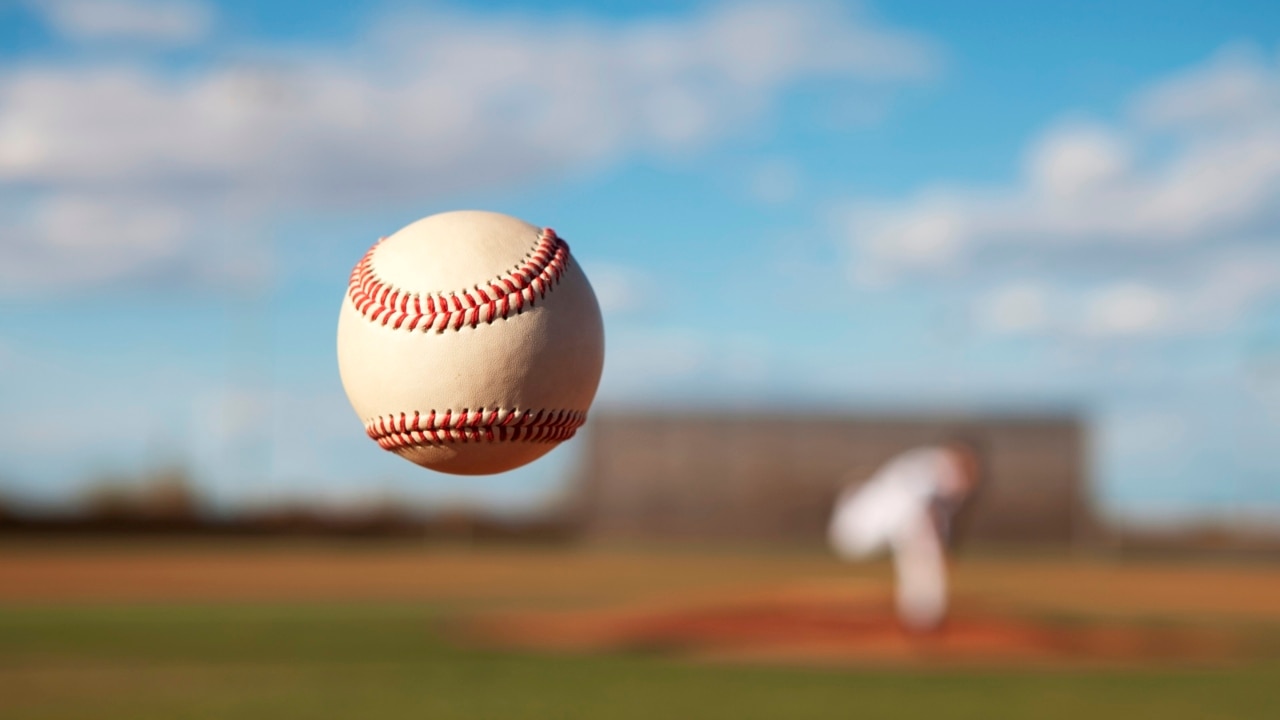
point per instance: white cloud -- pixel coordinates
(1236, 87)
(1139, 223)
(1127, 309)
(775, 181)
(1207, 296)
(1077, 161)
(1219, 174)
(1233, 285)
(623, 290)
(165, 22)
(434, 103)
(930, 236)
(1019, 307)
(74, 238)
(641, 359)
(423, 106)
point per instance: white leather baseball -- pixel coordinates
(470, 342)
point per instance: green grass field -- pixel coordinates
(178, 632)
(394, 661)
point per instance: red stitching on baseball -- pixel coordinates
(488, 425)
(511, 293)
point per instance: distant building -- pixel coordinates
(774, 477)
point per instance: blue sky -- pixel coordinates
(784, 205)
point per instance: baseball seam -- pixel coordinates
(508, 294)
(405, 430)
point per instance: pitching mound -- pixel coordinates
(808, 628)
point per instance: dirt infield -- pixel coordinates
(97, 572)
(836, 626)
(115, 572)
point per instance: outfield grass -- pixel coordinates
(381, 660)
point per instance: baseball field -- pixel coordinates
(322, 630)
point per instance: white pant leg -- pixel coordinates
(921, 568)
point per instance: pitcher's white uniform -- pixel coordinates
(904, 508)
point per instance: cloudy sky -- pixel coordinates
(782, 205)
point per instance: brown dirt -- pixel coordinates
(87, 572)
(806, 627)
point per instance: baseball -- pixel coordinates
(470, 342)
